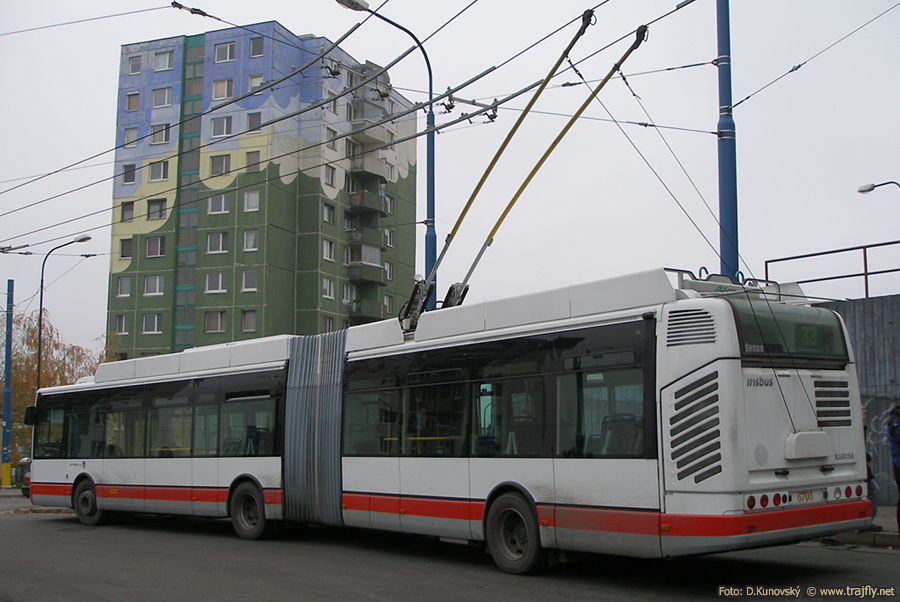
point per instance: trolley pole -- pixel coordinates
(7, 385)
(728, 215)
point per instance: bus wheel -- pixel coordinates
(85, 503)
(512, 536)
(248, 512)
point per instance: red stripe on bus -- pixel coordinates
(51, 489)
(414, 506)
(355, 501)
(686, 525)
(435, 508)
(122, 492)
(168, 494)
(385, 504)
(601, 519)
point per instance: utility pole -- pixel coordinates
(728, 215)
(7, 385)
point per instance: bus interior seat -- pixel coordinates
(620, 435)
(524, 438)
(231, 447)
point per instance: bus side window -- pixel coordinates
(125, 434)
(206, 431)
(372, 424)
(435, 420)
(85, 435)
(49, 433)
(248, 428)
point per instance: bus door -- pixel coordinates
(121, 486)
(168, 470)
(434, 470)
(606, 480)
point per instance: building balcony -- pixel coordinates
(366, 236)
(365, 273)
(369, 165)
(366, 113)
(365, 201)
(364, 310)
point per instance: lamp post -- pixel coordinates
(867, 188)
(430, 234)
(83, 238)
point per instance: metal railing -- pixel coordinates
(865, 274)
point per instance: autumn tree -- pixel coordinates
(61, 364)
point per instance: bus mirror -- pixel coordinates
(29, 415)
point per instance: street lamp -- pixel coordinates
(430, 234)
(83, 238)
(867, 188)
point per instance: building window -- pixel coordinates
(130, 137)
(215, 282)
(248, 320)
(156, 209)
(215, 321)
(251, 200)
(388, 304)
(330, 174)
(332, 104)
(133, 101)
(162, 97)
(152, 324)
(164, 61)
(328, 288)
(153, 285)
(128, 173)
(253, 161)
(123, 286)
(389, 237)
(389, 204)
(327, 324)
(218, 203)
(122, 324)
(328, 213)
(389, 171)
(254, 82)
(328, 250)
(248, 281)
(156, 246)
(251, 240)
(217, 242)
(351, 149)
(349, 222)
(220, 164)
(349, 183)
(221, 126)
(254, 121)
(388, 270)
(134, 65)
(159, 171)
(330, 136)
(349, 294)
(222, 89)
(225, 52)
(125, 248)
(256, 47)
(159, 134)
(127, 211)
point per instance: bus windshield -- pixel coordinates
(775, 333)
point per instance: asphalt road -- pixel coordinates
(49, 557)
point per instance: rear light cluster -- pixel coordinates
(761, 501)
(765, 500)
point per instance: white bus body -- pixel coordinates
(624, 416)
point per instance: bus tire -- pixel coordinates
(512, 536)
(248, 512)
(84, 501)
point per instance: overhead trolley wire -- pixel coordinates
(89, 19)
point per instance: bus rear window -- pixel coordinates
(785, 333)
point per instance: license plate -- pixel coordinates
(804, 497)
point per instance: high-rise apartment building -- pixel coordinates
(288, 211)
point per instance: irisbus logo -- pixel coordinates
(760, 382)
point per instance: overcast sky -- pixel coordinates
(595, 210)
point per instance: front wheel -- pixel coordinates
(84, 501)
(248, 513)
(512, 536)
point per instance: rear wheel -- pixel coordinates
(248, 512)
(84, 501)
(512, 536)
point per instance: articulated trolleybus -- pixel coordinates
(647, 415)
